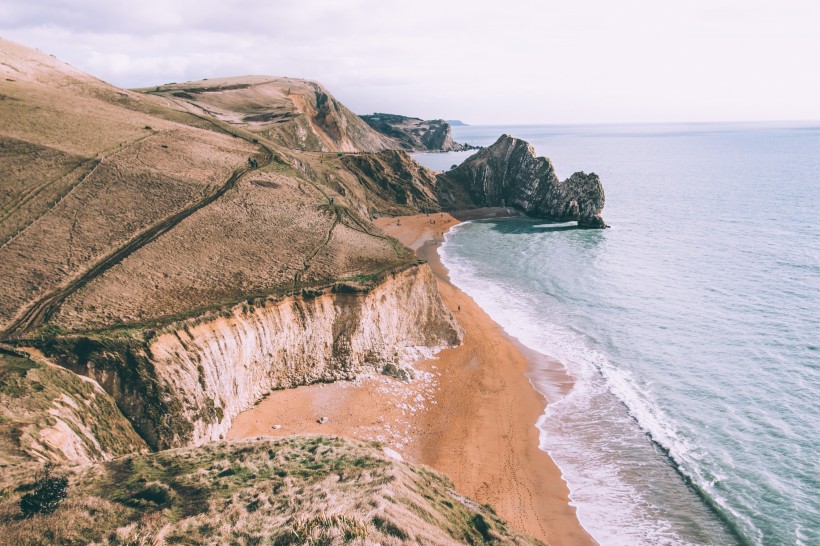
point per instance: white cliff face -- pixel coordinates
(219, 368)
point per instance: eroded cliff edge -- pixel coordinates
(509, 174)
(185, 384)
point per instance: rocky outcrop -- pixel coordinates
(185, 386)
(415, 134)
(393, 183)
(509, 174)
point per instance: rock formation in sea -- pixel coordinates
(508, 174)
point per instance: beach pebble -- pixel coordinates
(322, 420)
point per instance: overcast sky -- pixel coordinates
(485, 62)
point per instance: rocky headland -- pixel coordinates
(508, 174)
(171, 255)
(415, 134)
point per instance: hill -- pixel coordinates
(299, 490)
(414, 134)
(297, 114)
(131, 217)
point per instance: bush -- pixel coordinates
(152, 494)
(49, 492)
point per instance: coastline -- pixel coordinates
(470, 413)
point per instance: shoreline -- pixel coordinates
(470, 413)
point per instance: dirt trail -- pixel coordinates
(85, 168)
(297, 277)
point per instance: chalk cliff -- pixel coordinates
(185, 384)
(508, 173)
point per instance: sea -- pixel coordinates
(691, 327)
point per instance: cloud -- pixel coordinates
(482, 61)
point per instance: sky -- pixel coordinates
(484, 62)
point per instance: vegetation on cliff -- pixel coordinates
(299, 490)
(48, 413)
(415, 134)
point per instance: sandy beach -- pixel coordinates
(470, 412)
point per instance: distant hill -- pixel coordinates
(457, 123)
(297, 114)
(416, 134)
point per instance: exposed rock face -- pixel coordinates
(509, 174)
(395, 184)
(188, 384)
(415, 134)
(48, 413)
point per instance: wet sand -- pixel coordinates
(469, 413)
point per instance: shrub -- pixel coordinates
(49, 491)
(152, 494)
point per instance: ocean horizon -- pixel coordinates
(689, 327)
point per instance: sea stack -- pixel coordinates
(508, 173)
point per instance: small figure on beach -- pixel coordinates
(459, 307)
(253, 163)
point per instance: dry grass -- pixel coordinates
(250, 243)
(92, 166)
(295, 114)
(299, 490)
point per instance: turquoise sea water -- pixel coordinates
(691, 327)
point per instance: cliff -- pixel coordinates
(509, 174)
(187, 382)
(415, 134)
(394, 183)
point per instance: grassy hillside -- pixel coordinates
(126, 207)
(299, 490)
(296, 114)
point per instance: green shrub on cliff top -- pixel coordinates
(49, 491)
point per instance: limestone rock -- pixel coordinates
(508, 173)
